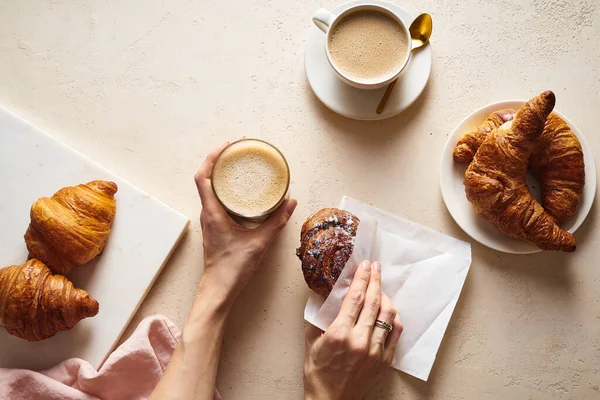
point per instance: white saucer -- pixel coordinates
(453, 191)
(359, 103)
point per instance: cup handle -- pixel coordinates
(323, 19)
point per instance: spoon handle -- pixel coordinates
(386, 96)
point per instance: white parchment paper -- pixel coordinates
(423, 272)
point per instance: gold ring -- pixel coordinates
(382, 324)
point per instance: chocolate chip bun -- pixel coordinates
(326, 243)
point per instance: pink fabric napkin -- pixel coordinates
(131, 372)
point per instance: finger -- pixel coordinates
(368, 314)
(269, 229)
(392, 341)
(387, 313)
(355, 297)
(203, 183)
(207, 166)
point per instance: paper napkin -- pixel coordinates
(423, 273)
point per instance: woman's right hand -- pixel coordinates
(232, 253)
(347, 360)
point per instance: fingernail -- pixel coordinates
(366, 265)
(377, 266)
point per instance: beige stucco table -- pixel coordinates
(146, 88)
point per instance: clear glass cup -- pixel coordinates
(236, 189)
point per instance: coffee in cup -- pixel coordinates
(367, 45)
(251, 179)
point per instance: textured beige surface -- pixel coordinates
(146, 88)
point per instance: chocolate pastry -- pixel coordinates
(326, 243)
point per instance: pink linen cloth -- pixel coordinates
(131, 372)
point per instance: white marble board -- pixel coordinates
(145, 232)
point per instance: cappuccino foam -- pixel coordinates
(250, 178)
(368, 46)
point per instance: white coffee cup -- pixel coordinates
(327, 21)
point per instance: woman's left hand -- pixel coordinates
(232, 253)
(344, 362)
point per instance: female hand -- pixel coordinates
(347, 360)
(231, 252)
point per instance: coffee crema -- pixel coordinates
(368, 46)
(250, 177)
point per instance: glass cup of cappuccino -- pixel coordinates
(251, 179)
(367, 45)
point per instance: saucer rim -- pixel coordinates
(377, 117)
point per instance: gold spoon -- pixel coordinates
(420, 32)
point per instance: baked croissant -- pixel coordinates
(35, 305)
(557, 164)
(326, 243)
(71, 227)
(557, 161)
(468, 144)
(495, 181)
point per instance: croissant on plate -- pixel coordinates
(557, 161)
(326, 243)
(35, 305)
(495, 181)
(71, 227)
(468, 144)
(557, 164)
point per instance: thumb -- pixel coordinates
(277, 221)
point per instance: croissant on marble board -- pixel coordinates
(35, 305)
(495, 181)
(71, 227)
(557, 161)
(326, 243)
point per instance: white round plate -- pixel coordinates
(360, 103)
(453, 191)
